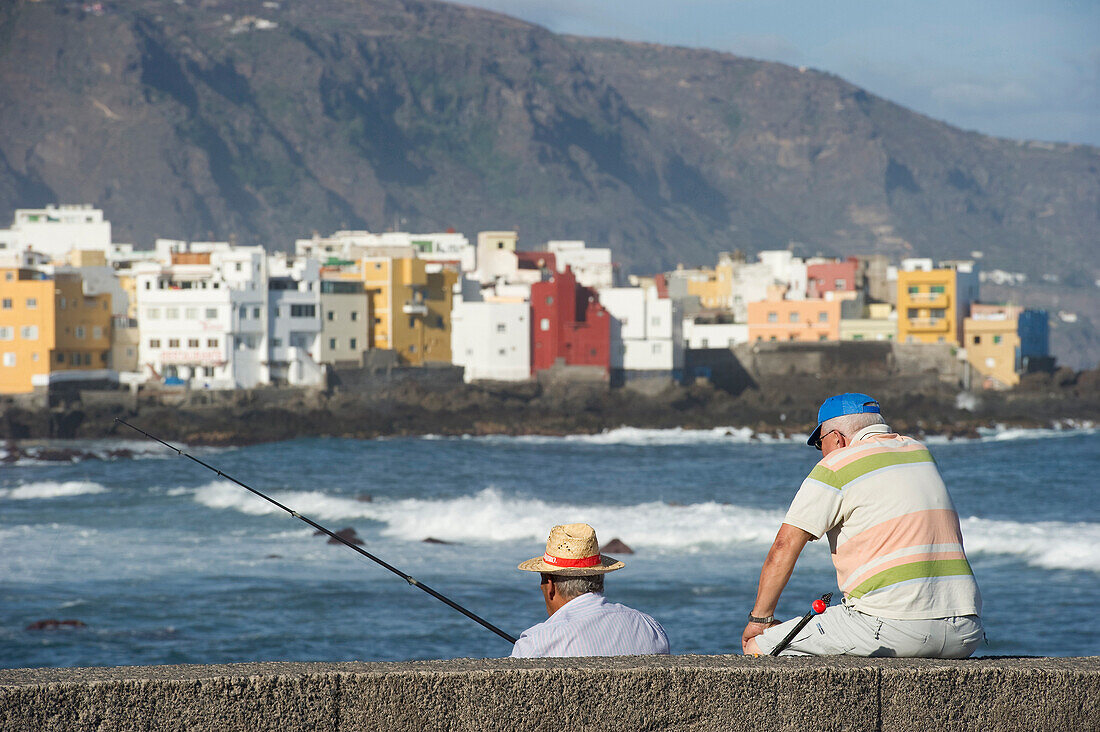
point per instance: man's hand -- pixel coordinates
(751, 631)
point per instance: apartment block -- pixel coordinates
(779, 319)
(933, 301)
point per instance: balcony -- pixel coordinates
(415, 308)
(929, 325)
(929, 299)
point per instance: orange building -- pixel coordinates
(777, 319)
(48, 324)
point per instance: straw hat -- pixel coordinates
(572, 550)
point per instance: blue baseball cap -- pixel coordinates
(841, 404)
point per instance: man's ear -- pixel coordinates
(551, 590)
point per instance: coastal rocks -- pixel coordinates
(616, 546)
(347, 534)
(433, 540)
(55, 624)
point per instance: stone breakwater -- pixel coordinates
(677, 692)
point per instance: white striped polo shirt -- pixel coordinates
(893, 531)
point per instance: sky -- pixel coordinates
(1022, 69)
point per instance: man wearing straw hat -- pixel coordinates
(582, 622)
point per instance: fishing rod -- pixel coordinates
(816, 608)
(411, 580)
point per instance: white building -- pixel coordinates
(700, 334)
(294, 321)
(591, 266)
(787, 269)
(57, 230)
(206, 316)
(444, 248)
(491, 331)
(646, 332)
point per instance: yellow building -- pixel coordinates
(877, 324)
(48, 325)
(932, 303)
(411, 306)
(992, 342)
(713, 287)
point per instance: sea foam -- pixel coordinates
(51, 489)
(490, 515)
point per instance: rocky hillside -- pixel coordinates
(269, 120)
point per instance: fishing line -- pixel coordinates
(411, 580)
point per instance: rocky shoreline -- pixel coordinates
(779, 406)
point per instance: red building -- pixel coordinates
(831, 277)
(568, 323)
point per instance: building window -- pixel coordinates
(237, 266)
(97, 332)
(192, 342)
(211, 313)
(191, 313)
(276, 342)
(9, 359)
(502, 352)
(378, 321)
(32, 303)
(913, 289)
(996, 339)
(211, 342)
(61, 303)
(256, 313)
(29, 332)
(331, 315)
(824, 337)
(80, 332)
(34, 356)
(840, 284)
(656, 348)
(172, 313)
(502, 328)
(938, 312)
(857, 336)
(793, 317)
(7, 333)
(549, 299)
(303, 311)
(207, 371)
(938, 289)
(773, 317)
(152, 313)
(242, 312)
(60, 357)
(154, 342)
(544, 324)
(173, 342)
(332, 344)
(353, 343)
(74, 359)
(773, 339)
(977, 340)
(913, 313)
(7, 305)
(354, 315)
(412, 348)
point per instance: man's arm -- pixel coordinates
(773, 578)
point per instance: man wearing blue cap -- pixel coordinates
(896, 543)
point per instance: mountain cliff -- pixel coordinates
(269, 120)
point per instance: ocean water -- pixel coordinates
(166, 562)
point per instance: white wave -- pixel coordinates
(1067, 428)
(51, 489)
(638, 436)
(1046, 544)
(490, 516)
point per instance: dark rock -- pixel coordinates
(616, 546)
(364, 498)
(54, 624)
(433, 540)
(347, 534)
(274, 556)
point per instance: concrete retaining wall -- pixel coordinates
(641, 693)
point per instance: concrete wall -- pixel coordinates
(678, 692)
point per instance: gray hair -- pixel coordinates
(849, 424)
(575, 586)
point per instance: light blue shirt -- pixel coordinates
(589, 625)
